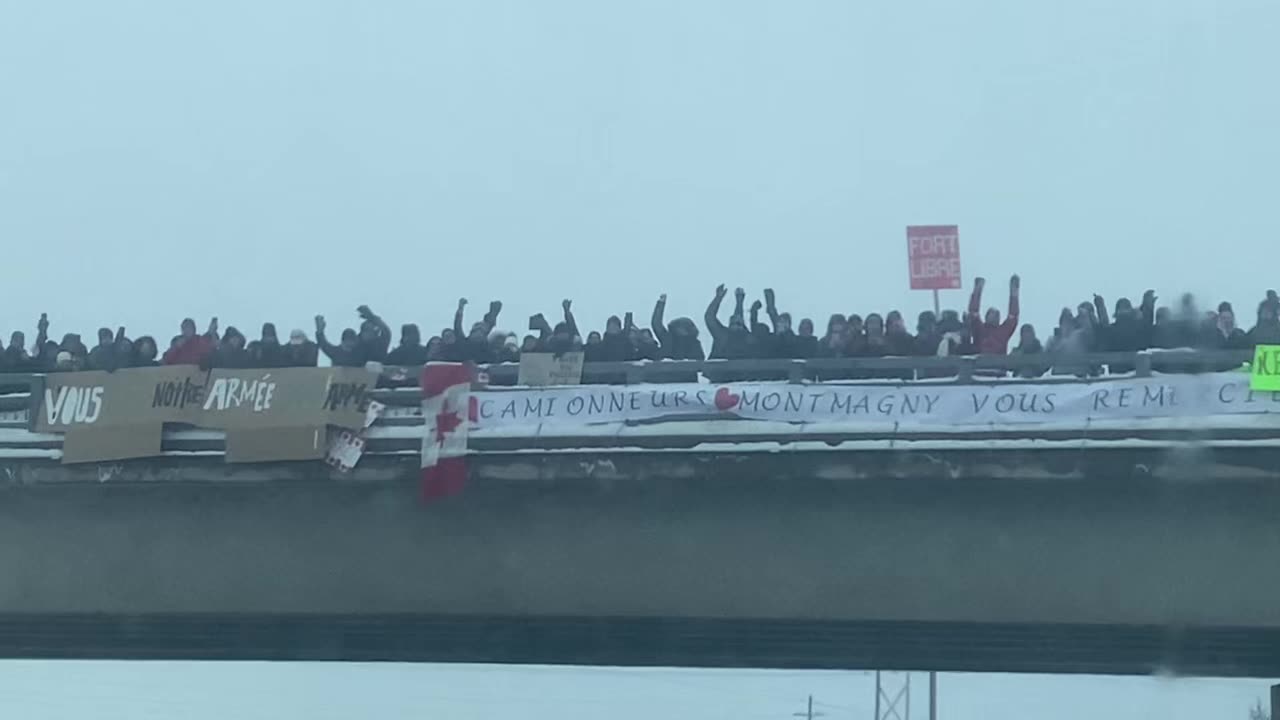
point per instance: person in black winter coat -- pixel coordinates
(593, 351)
(679, 340)
(145, 352)
(763, 344)
(1131, 330)
(787, 343)
(1029, 344)
(647, 347)
(231, 351)
(898, 340)
(15, 358)
(1222, 333)
(806, 343)
(731, 342)
(473, 345)
(410, 351)
(877, 344)
(300, 352)
(616, 346)
(374, 337)
(267, 352)
(1267, 329)
(103, 356)
(927, 335)
(346, 353)
(834, 343)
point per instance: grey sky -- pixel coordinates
(275, 160)
(269, 161)
(261, 691)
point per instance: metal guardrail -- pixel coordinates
(958, 369)
(20, 394)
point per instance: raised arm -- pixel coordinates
(1100, 306)
(491, 317)
(755, 315)
(714, 326)
(1010, 324)
(321, 341)
(1149, 308)
(659, 326)
(739, 297)
(457, 319)
(372, 317)
(42, 333)
(771, 307)
(975, 304)
(568, 317)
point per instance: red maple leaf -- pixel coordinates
(446, 422)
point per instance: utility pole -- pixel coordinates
(933, 695)
(892, 705)
(808, 714)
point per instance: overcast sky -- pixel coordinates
(274, 160)
(262, 691)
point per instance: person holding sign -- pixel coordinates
(990, 335)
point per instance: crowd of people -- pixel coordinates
(1089, 327)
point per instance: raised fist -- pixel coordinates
(566, 304)
(662, 298)
(213, 325)
(364, 311)
(43, 324)
(739, 293)
(462, 302)
(495, 307)
(1015, 282)
(979, 282)
(768, 295)
(721, 290)
(320, 323)
(755, 306)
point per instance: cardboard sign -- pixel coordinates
(933, 257)
(345, 449)
(119, 442)
(292, 397)
(1264, 373)
(274, 445)
(540, 369)
(107, 416)
(132, 397)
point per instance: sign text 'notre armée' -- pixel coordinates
(232, 400)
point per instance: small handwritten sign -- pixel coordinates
(542, 369)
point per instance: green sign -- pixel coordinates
(1265, 373)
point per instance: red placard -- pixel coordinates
(933, 257)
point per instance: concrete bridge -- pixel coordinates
(1134, 554)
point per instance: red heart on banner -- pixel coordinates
(726, 400)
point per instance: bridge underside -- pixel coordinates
(683, 642)
(1124, 561)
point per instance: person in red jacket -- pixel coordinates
(190, 348)
(990, 336)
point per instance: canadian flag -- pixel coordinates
(446, 393)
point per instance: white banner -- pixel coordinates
(907, 404)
